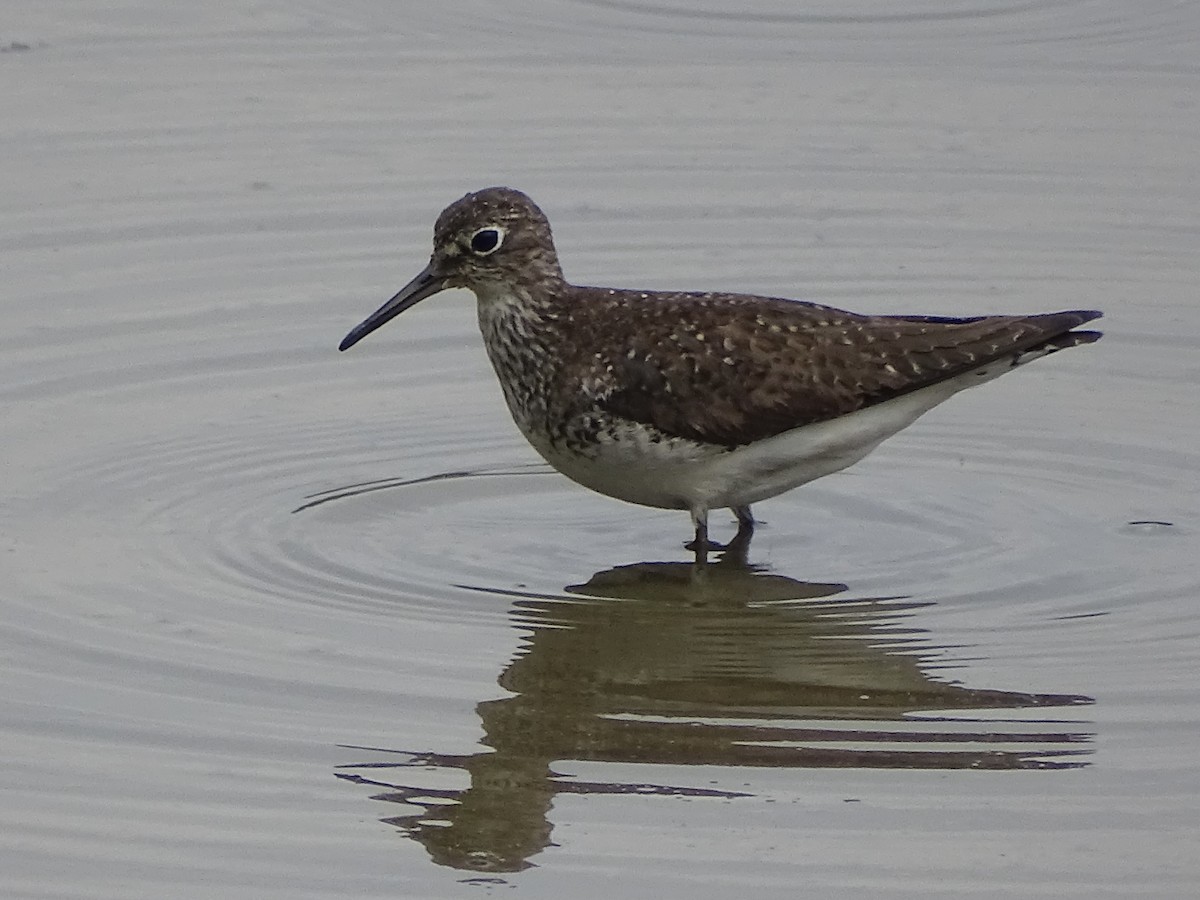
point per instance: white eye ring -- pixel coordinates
(487, 240)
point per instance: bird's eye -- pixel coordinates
(486, 240)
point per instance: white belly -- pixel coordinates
(680, 474)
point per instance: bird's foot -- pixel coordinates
(735, 551)
(708, 546)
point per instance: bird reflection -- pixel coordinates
(727, 665)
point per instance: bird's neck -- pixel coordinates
(507, 309)
(523, 331)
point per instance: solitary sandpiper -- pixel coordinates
(699, 401)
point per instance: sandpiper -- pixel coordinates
(699, 401)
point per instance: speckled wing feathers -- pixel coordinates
(729, 369)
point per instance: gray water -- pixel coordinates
(283, 622)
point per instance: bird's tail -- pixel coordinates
(1059, 324)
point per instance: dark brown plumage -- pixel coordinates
(731, 369)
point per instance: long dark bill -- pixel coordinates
(426, 284)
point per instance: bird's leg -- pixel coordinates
(737, 549)
(700, 545)
(745, 520)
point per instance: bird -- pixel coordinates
(699, 401)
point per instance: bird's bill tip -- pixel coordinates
(426, 284)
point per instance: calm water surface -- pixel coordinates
(281, 622)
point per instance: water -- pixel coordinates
(279, 621)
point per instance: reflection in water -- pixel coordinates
(724, 666)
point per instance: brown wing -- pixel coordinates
(728, 370)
